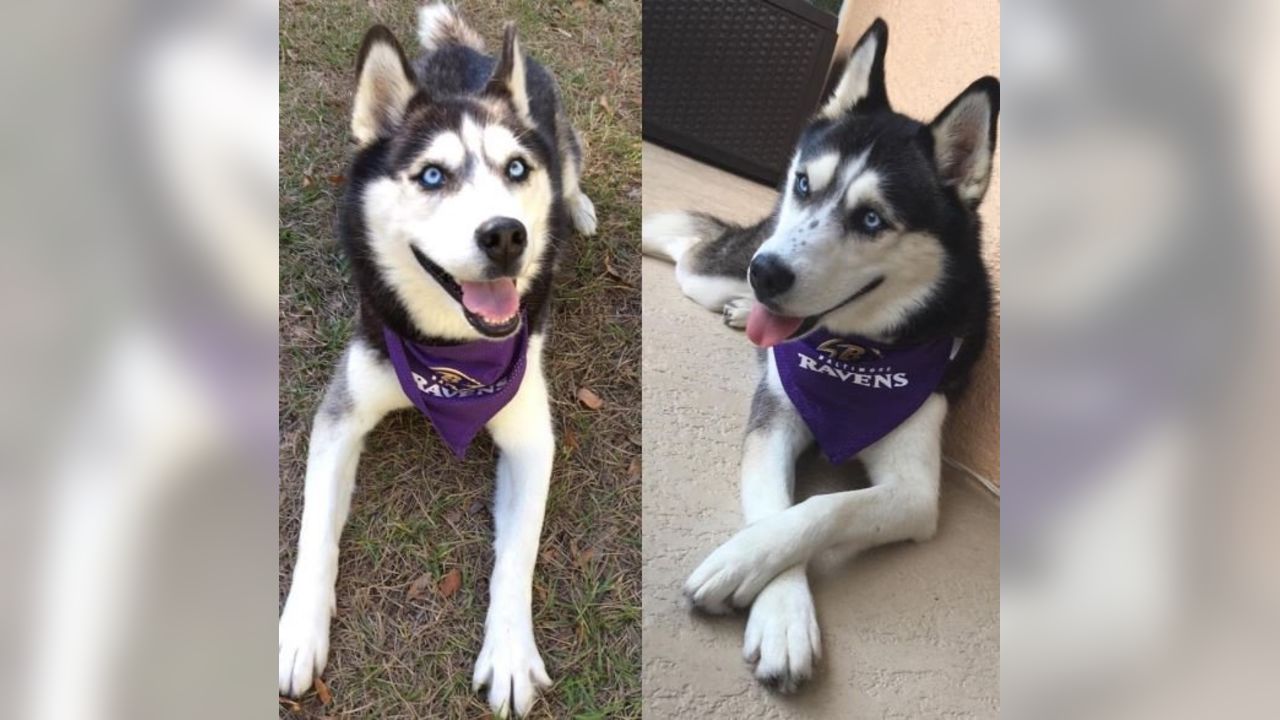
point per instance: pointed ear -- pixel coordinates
(508, 80)
(964, 139)
(862, 78)
(384, 86)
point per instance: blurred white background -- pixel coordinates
(1139, 575)
(138, 294)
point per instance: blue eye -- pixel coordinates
(802, 185)
(432, 178)
(871, 221)
(516, 169)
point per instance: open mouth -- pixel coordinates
(767, 328)
(491, 306)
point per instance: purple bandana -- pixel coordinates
(852, 391)
(459, 387)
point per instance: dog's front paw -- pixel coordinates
(303, 642)
(732, 575)
(509, 664)
(782, 638)
(736, 312)
(583, 212)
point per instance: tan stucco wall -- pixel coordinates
(935, 50)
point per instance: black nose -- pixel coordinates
(502, 239)
(769, 277)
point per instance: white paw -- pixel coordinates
(304, 640)
(583, 213)
(782, 638)
(736, 312)
(732, 575)
(510, 666)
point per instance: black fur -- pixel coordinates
(902, 153)
(451, 82)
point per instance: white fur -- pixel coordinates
(962, 146)
(864, 187)
(912, 266)
(821, 170)
(855, 81)
(446, 149)
(711, 291)
(499, 146)
(399, 216)
(782, 638)
(736, 312)
(509, 662)
(336, 441)
(830, 264)
(438, 23)
(582, 212)
(901, 504)
(519, 91)
(382, 93)
(668, 235)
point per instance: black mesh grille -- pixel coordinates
(732, 81)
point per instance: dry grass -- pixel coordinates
(418, 511)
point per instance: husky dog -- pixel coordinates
(462, 189)
(868, 277)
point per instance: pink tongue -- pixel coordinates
(495, 300)
(767, 329)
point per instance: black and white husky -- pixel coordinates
(463, 187)
(873, 248)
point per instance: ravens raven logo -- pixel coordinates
(456, 378)
(845, 351)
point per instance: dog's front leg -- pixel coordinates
(509, 663)
(362, 391)
(902, 504)
(782, 639)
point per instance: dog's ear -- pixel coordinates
(862, 78)
(384, 86)
(508, 80)
(964, 139)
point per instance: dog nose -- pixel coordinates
(502, 239)
(770, 277)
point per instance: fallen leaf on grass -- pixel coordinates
(322, 691)
(584, 558)
(570, 441)
(451, 582)
(293, 705)
(633, 471)
(418, 588)
(609, 269)
(589, 399)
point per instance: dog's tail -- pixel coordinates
(670, 235)
(439, 25)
